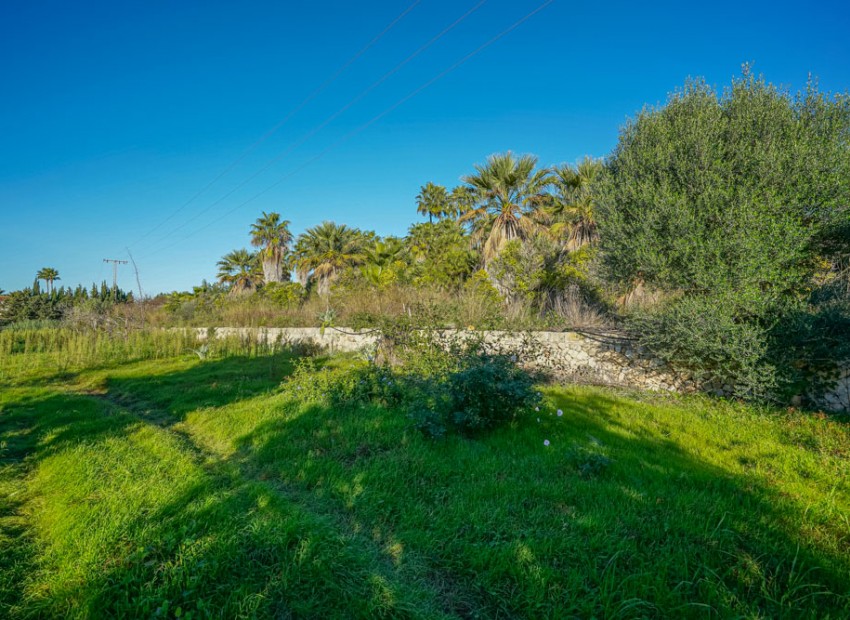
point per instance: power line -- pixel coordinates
(315, 93)
(327, 121)
(367, 124)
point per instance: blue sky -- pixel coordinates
(114, 115)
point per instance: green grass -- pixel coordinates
(171, 486)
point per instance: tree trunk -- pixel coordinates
(272, 270)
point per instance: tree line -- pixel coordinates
(717, 232)
(508, 199)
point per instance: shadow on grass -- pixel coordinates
(211, 383)
(32, 426)
(601, 522)
(351, 513)
(244, 551)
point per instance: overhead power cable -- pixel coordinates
(367, 124)
(327, 121)
(315, 93)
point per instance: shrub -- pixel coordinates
(285, 294)
(725, 193)
(349, 386)
(489, 391)
(811, 343)
(702, 337)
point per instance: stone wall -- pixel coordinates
(836, 398)
(607, 358)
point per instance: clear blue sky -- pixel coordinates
(113, 115)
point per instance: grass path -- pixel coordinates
(181, 488)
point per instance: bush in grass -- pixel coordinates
(468, 393)
(487, 392)
(702, 337)
(443, 385)
(350, 386)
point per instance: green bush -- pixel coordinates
(285, 294)
(488, 392)
(349, 386)
(702, 338)
(729, 204)
(810, 344)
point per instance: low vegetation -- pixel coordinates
(163, 480)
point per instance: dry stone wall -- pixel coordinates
(601, 357)
(837, 398)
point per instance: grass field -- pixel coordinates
(168, 485)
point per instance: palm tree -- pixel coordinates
(240, 270)
(49, 275)
(572, 205)
(508, 191)
(383, 261)
(433, 201)
(323, 251)
(462, 200)
(272, 235)
(384, 252)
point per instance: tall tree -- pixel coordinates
(323, 251)
(49, 275)
(727, 201)
(508, 190)
(433, 201)
(572, 203)
(272, 235)
(240, 270)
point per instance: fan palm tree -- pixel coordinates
(49, 275)
(323, 251)
(508, 191)
(572, 204)
(462, 200)
(272, 234)
(433, 201)
(384, 252)
(240, 270)
(383, 261)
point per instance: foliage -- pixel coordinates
(572, 203)
(433, 201)
(810, 342)
(719, 194)
(49, 275)
(540, 273)
(702, 338)
(385, 263)
(486, 392)
(323, 251)
(285, 294)
(441, 252)
(726, 201)
(349, 386)
(33, 304)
